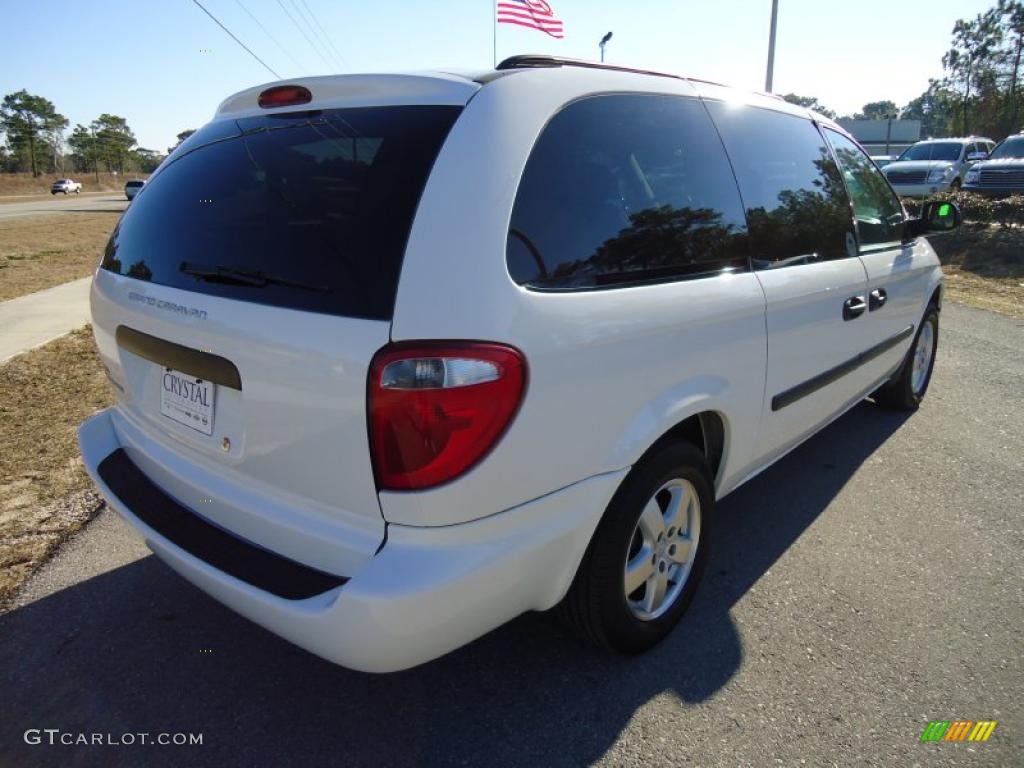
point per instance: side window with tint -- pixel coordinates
(626, 189)
(797, 207)
(877, 210)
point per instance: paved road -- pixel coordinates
(104, 201)
(869, 582)
(32, 320)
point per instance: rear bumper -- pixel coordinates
(425, 593)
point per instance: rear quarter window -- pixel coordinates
(307, 210)
(624, 190)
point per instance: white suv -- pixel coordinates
(65, 186)
(936, 165)
(400, 357)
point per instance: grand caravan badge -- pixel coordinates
(169, 306)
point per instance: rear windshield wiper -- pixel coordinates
(251, 277)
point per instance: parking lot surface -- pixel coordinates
(866, 584)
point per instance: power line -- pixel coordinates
(316, 35)
(334, 49)
(315, 49)
(274, 39)
(321, 48)
(261, 61)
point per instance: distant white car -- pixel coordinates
(882, 160)
(65, 186)
(132, 188)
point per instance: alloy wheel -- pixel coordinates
(662, 549)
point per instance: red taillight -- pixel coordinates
(285, 96)
(438, 409)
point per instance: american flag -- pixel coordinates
(535, 14)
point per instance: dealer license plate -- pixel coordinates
(187, 400)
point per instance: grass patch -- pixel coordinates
(38, 252)
(45, 494)
(984, 266)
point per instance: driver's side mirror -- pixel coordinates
(977, 156)
(937, 216)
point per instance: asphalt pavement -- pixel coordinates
(866, 584)
(82, 203)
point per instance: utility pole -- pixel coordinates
(95, 155)
(889, 117)
(603, 43)
(771, 48)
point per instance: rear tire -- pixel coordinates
(654, 537)
(905, 390)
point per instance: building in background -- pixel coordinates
(884, 137)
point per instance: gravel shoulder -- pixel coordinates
(45, 495)
(984, 267)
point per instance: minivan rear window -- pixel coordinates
(307, 210)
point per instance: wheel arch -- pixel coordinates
(706, 430)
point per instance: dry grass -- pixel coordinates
(984, 266)
(24, 184)
(39, 252)
(48, 392)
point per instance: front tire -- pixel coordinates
(643, 565)
(907, 388)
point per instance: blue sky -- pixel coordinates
(146, 60)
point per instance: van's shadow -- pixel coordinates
(120, 653)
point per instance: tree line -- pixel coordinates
(979, 91)
(35, 141)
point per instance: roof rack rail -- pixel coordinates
(540, 60)
(536, 60)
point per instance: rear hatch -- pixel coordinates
(238, 306)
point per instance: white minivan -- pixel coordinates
(400, 357)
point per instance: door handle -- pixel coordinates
(854, 307)
(877, 299)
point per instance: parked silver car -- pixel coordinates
(1002, 173)
(936, 165)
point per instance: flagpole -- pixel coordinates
(494, 29)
